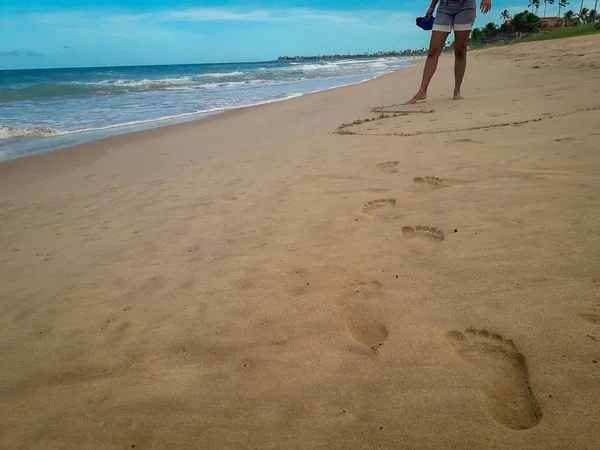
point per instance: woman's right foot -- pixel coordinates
(419, 97)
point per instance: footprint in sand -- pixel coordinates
(367, 331)
(359, 322)
(591, 318)
(503, 377)
(379, 207)
(388, 167)
(434, 182)
(423, 231)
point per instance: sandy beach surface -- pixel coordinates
(272, 278)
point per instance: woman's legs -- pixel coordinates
(436, 45)
(461, 43)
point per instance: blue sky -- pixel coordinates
(66, 33)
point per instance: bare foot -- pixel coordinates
(457, 95)
(416, 98)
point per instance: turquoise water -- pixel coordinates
(48, 109)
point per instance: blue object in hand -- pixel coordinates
(426, 23)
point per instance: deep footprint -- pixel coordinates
(503, 377)
(388, 167)
(377, 207)
(369, 332)
(423, 231)
(434, 182)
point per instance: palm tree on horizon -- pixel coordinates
(562, 4)
(505, 15)
(569, 16)
(546, 4)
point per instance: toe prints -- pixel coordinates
(423, 231)
(388, 167)
(433, 182)
(379, 207)
(503, 377)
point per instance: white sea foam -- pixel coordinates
(165, 82)
(141, 83)
(222, 75)
(10, 132)
(231, 84)
(173, 118)
(360, 61)
(312, 67)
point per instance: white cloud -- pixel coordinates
(20, 53)
(100, 32)
(326, 16)
(217, 14)
(258, 15)
(55, 18)
(370, 19)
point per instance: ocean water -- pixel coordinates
(48, 109)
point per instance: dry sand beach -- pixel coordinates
(271, 278)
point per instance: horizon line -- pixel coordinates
(199, 64)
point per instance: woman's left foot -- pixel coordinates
(457, 95)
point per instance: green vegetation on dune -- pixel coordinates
(527, 26)
(560, 33)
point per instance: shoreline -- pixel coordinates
(83, 136)
(255, 280)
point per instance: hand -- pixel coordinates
(486, 6)
(430, 11)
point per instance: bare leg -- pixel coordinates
(436, 45)
(461, 42)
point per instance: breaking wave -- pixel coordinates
(9, 132)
